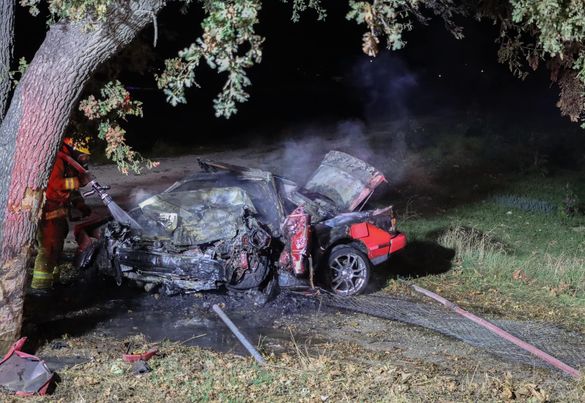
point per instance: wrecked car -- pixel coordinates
(245, 228)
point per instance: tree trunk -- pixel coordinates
(32, 130)
(6, 38)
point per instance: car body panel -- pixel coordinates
(233, 226)
(297, 232)
(199, 216)
(380, 243)
(397, 243)
(344, 179)
(371, 231)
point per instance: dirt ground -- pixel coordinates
(102, 311)
(81, 340)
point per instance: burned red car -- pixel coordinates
(245, 228)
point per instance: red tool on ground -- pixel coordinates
(140, 357)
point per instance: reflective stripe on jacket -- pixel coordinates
(51, 215)
(61, 183)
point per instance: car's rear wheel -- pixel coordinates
(348, 271)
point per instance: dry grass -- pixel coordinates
(338, 373)
(508, 271)
(470, 243)
(558, 274)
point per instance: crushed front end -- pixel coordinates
(184, 250)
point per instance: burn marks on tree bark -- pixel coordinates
(31, 133)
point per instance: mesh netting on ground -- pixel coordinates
(567, 346)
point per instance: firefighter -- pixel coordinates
(61, 195)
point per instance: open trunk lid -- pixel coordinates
(346, 180)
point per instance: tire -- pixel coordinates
(348, 271)
(252, 280)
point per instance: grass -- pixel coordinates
(336, 373)
(509, 260)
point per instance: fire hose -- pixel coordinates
(417, 313)
(96, 188)
(501, 333)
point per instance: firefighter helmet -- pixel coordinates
(79, 145)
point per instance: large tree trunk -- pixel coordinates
(6, 37)
(32, 130)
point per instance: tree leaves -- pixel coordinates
(532, 32)
(390, 19)
(115, 104)
(552, 31)
(300, 6)
(229, 44)
(74, 10)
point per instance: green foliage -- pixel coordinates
(558, 22)
(533, 32)
(17, 74)
(300, 6)
(32, 6)
(550, 32)
(114, 105)
(74, 10)
(390, 19)
(229, 44)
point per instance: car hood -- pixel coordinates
(199, 216)
(346, 180)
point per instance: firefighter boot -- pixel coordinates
(51, 236)
(56, 274)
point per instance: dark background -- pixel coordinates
(315, 73)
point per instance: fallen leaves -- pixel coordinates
(520, 275)
(330, 372)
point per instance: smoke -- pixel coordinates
(298, 158)
(138, 195)
(385, 86)
(380, 137)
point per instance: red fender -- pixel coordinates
(378, 242)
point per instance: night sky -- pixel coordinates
(315, 73)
